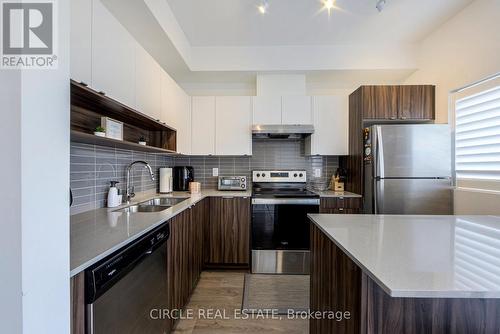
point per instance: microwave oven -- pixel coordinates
(232, 183)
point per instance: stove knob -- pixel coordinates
(243, 186)
(300, 175)
(295, 175)
(263, 174)
(258, 174)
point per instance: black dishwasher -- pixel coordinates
(126, 291)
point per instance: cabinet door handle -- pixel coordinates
(227, 197)
(403, 117)
(393, 117)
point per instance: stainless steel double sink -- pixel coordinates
(153, 205)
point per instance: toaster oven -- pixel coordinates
(232, 183)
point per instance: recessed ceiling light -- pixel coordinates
(328, 4)
(263, 7)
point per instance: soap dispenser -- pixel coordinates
(113, 197)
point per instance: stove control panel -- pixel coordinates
(279, 176)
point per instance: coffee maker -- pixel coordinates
(182, 176)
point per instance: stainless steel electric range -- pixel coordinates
(280, 228)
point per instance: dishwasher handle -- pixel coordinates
(103, 275)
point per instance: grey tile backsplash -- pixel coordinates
(92, 167)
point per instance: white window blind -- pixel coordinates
(477, 139)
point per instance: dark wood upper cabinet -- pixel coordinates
(379, 102)
(407, 102)
(417, 102)
(227, 238)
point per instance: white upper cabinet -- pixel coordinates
(181, 104)
(147, 84)
(331, 126)
(296, 109)
(233, 135)
(267, 110)
(176, 111)
(113, 57)
(81, 41)
(167, 114)
(203, 125)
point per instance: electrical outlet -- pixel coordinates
(317, 172)
(215, 171)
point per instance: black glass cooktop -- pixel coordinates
(282, 193)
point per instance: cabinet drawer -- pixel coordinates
(341, 202)
(340, 211)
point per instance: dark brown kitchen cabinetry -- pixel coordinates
(199, 219)
(227, 237)
(416, 102)
(341, 205)
(408, 102)
(178, 260)
(77, 292)
(185, 254)
(379, 102)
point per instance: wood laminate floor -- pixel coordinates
(223, 291)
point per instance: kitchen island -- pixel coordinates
(406, 274)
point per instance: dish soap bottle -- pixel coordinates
(113, 197)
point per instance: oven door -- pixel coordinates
(282, 223)
(280, 235)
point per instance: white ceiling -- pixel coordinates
(210, 50)
(302, 22)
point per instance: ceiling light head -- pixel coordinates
(263, 7)
(328, 4)
(380, 5)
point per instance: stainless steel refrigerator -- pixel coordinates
(407, 169)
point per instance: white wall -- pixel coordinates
(463, 50)
(10, 203)
(34, 243)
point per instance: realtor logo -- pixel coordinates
(28, 31)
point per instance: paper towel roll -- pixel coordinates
(166, 180)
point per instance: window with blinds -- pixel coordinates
(477, 138)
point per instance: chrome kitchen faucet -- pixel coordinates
(130, 189)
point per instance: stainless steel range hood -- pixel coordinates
(277, 131)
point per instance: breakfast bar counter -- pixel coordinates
(406, 274)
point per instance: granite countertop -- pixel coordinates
(422, 256)
(98, 233)
(332, 193)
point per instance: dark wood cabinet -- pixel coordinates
(178, 262)
(341, 205)
(416, 102)
(199, 220)
(185, 254)
(379, 102)
(227, 238)
(333, 287)
(77, 291)
(407, 102)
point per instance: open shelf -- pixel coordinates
(87, 108)
(87, 138)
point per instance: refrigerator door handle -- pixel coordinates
(378, 194)
(379, 153)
